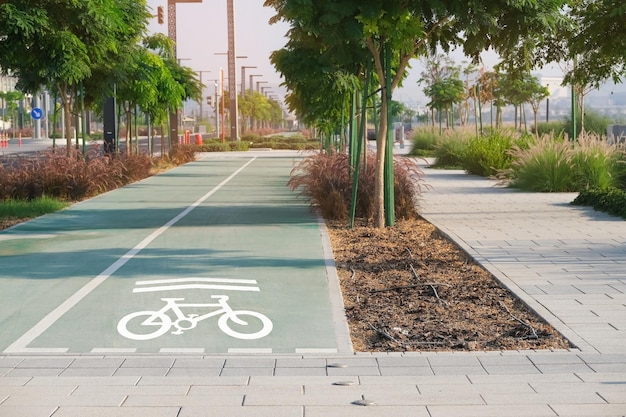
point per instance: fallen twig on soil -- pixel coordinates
(382, 333)
(532, 329)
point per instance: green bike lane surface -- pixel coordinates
(225, 226)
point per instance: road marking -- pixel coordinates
(20, 344)
(171, 284)
(249, 350)
(182, 350)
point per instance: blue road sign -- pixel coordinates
(36, 113)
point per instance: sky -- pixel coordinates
(202, 33)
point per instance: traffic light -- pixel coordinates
(209, 100)
(160, 15)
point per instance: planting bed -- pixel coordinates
(408, 288)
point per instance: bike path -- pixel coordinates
(223, 225)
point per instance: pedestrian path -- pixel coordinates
(566, 262)
(547, 252)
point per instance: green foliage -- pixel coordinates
(554, 128)
(215, 145)
(27, 209)
(595, 123)
(450, 149)
(325, 180)
(489, 154)
(551, 165)
(423, 142)
(597, 164)
(611, 200)
(545, 166)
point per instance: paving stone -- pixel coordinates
(97, 363)
(257, 411)
(42, 362)
(530, 410)
(199, 363)
(87, 380)
(300, 371)
(188, 371)
(97, 400)
(198, 380)
(220, 399)
(301, 363)
(360, 411)
(149, 362)
(259, 362)
(247, 371)
(589, 410)
(88, 371)
(117, 412)
(26, 411)
(141, 371)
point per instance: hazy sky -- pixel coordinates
(202, 32)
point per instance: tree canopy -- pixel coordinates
(389, 33)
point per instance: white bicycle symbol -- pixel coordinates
(159, 323)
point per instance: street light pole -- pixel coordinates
(232, 73)
(243, 79)
(202, 95)
(251, 83)
(171, 33)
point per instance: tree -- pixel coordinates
(596, 41)
(59, 44)
(395, 31)
(536, 94)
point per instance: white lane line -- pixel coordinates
(197, 287)
(74, 299)
(249, 350)
(197, 279)
(176, 284)
(182, 350)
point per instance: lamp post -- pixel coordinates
(171, 33)
(202, 95)
(233, 109)
(251, 83)
(243, 79)
(258, 83)
(548, 104)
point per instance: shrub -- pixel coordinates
(556, 128)
(597, 164)
(423, 142)
(595, 123)
(486, 155)
(324, 179)
(73, 177)
(450, 149)
(545, 166)
(611, 201)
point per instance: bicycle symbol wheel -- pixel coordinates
(144, 325)
(232, 323)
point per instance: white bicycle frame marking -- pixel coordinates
(162, 322)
